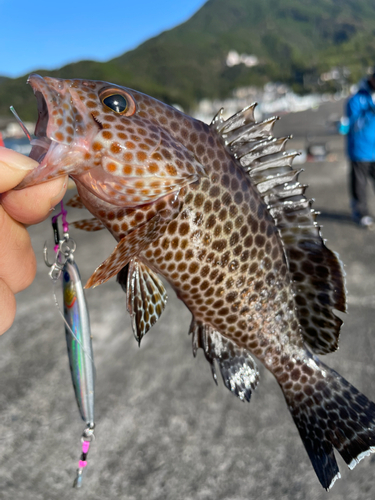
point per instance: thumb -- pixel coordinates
(13, 168)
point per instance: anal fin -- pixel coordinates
(237, 367)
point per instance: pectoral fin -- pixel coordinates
(75, 202)
(90, 225)
(128, 247)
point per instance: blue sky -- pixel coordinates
(48, 34)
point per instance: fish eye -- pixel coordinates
(118, 101)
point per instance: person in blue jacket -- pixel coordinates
(360, 111)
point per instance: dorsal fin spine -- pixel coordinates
(249, 152)
(251, 131)
(285, 160)
(239, 119)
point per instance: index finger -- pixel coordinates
(13, 168)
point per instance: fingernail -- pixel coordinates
(60, 194)
(12, 159)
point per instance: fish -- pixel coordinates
(219, 212)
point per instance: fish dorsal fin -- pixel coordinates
(316, 272)
(90, 225)
(146, 296)
(237, 367)
(75, 202)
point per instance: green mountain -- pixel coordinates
(294, 41)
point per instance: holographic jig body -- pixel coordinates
(77, 329)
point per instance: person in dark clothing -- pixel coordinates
(360, 111)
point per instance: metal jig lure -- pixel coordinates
(77, 329)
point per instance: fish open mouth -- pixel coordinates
(41, 143)
(55, 157)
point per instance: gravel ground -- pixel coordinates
(164, 430)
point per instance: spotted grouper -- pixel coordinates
(218, 211)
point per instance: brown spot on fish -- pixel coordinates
(59, 136)
(115, 148)
(111, 167)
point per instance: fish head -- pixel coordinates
(116, 142)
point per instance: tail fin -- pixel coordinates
(330, 413)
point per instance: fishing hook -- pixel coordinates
(45, 256)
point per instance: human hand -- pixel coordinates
(27, 206)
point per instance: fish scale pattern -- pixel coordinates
(223, 256)
(222, 253)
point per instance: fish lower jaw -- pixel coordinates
(56, 162)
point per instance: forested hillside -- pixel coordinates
(293, 40)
